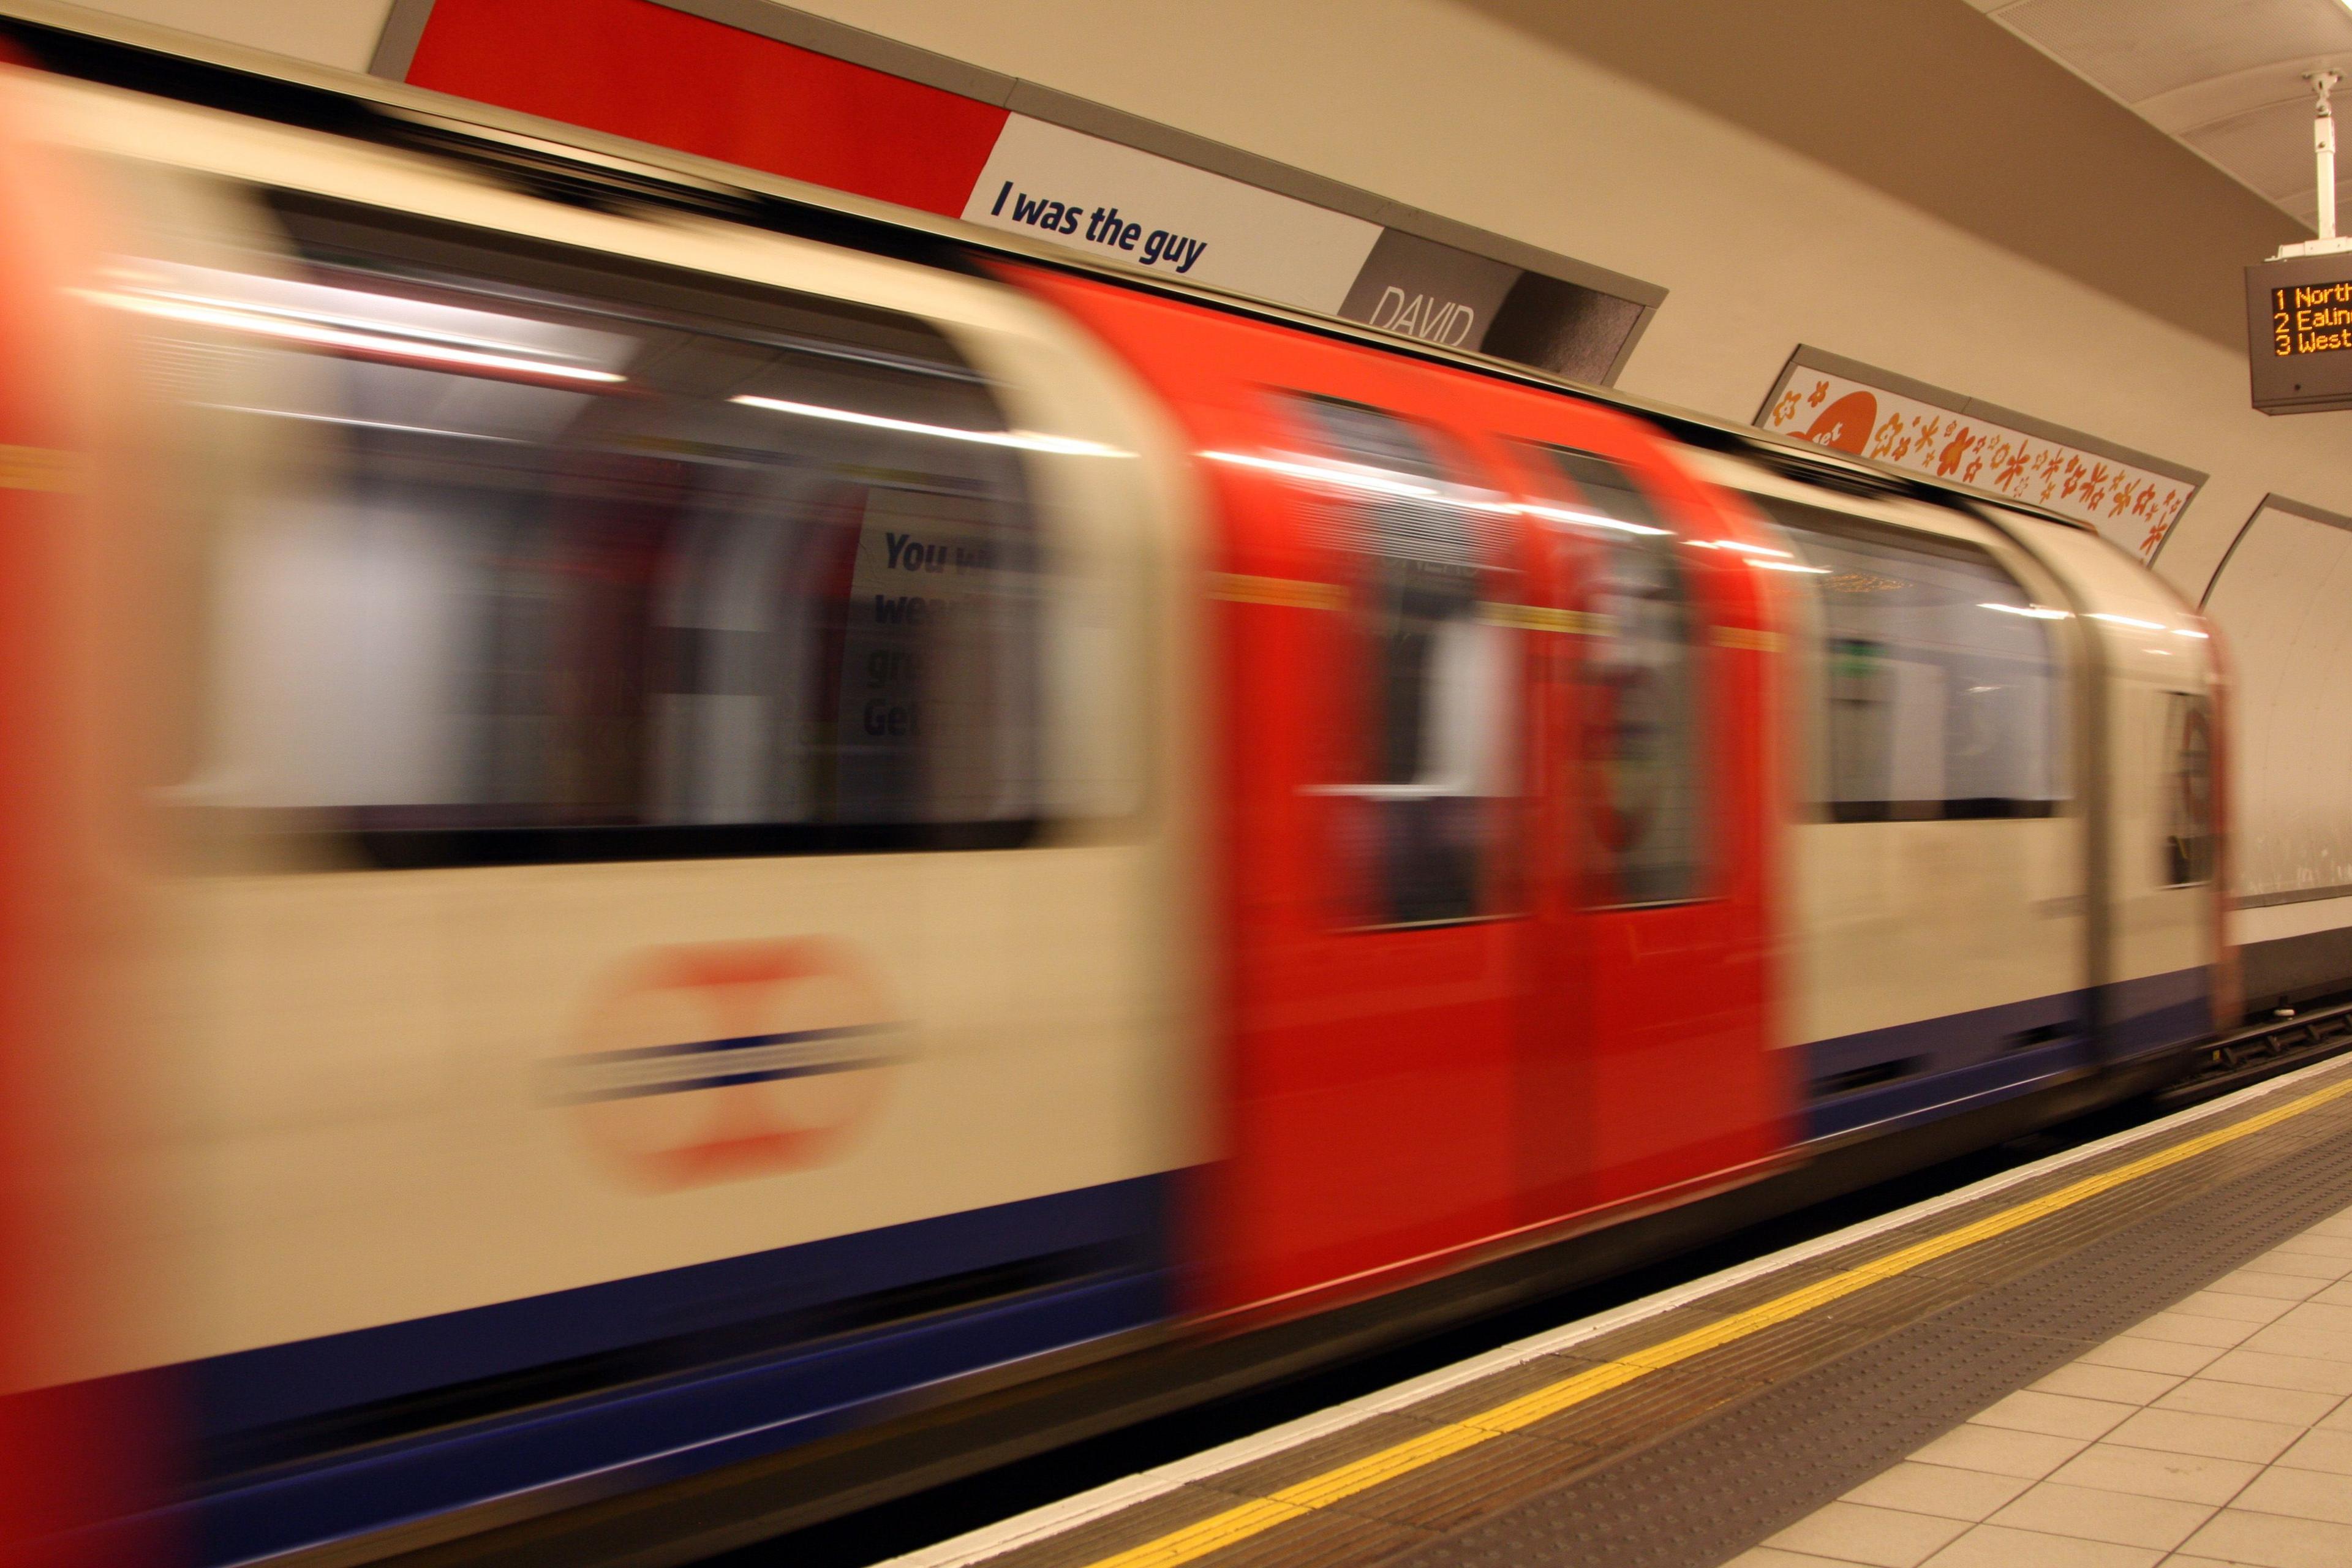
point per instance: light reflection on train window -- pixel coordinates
(1639, 731)
(1438, 684)
(2186, 769)
(1939, 707)
(512, 611)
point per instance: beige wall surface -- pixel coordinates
(1450, 108)
(339, 33)
(1964, 120)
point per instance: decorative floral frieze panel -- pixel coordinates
(2134, 506)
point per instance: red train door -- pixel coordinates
(1373, 947)
(1378, 997)
(1438, 1028)
(1648, 1034)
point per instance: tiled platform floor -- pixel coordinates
(2219, 1432)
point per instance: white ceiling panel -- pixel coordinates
(2269, 149)
(2225, 76)
(2138, 48)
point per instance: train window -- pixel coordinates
(1438, 688)
(1945, 697)
(2188, 774)
(1639, 731)
(596, 561)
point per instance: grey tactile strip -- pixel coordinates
(1698, 1496)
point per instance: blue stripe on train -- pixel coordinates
(649, 1431)
(1908, 1073)
(2157, 1012)
(1934, 1064)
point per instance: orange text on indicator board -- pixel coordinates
(2311, 317)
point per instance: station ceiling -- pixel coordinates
(1936, 103)
(2225, 76)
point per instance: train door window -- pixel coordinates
(1944, 695)
(2187, 771)
(1640, 734)
(1439, 676)
(594, 560)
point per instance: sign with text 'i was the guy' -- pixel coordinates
(993, 152)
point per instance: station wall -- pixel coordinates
(339, 33)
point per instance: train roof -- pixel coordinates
(573, 163)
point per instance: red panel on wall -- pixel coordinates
(634, 68)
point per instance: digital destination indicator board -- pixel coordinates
(2299, 334)
(2310, 318)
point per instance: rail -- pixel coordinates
(2294, 1039)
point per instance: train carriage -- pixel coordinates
(800, 825)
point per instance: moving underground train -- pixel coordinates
(665, 852)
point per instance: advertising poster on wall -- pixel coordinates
(2131, 498)
(956, 140)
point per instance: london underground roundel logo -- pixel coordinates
(715, 1062)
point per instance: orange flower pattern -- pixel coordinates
(2132, 506)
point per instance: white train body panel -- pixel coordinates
(374, 1127)
(2165, 923)
(1922, 955)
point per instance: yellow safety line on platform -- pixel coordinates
(1237, 1524)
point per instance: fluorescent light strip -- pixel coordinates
(1346, 479)
(2032, 612)
(235, 319)
(353, 323)
(363, 424)
(1358, 480)
(2129, 621)
(1788, 566)
(1742, 546)
(1027, 440)
(2184, 631)
(1588, 519)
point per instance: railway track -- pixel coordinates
(2295, 1037)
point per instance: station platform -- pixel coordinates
(2137, 1351)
